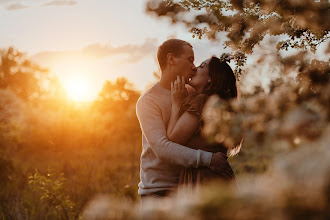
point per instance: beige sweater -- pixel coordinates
(161, 159)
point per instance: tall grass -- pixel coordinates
(54, 160)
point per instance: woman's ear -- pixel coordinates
(170, 58)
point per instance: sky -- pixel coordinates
(93, 41)
(85, 42)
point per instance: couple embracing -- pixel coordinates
(174, 151)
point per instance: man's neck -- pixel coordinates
(166, 79)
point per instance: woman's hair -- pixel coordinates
(223, 81)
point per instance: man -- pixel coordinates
(161, 159)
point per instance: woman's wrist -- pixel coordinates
(176, 107)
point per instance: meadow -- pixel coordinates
(57, 155)
(53, 161)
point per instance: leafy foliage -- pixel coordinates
(248, 21)
(302, 24)
(20, 75)
(52, 195)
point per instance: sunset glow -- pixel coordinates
(78, 88)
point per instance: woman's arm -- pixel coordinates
(177, 96)
(180, 128)
(173, 120)
(184, 128)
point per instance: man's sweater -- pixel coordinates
(161, 159)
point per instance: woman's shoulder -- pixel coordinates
(194, 103)
(197, 98)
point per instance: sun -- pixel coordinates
(78, 88)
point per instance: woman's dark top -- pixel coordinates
(194, 104)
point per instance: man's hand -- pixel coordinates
(220, 165)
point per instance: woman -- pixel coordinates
(212, 77)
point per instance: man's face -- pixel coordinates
(185, 63)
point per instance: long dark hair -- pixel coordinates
(223, 83)
(223, 80)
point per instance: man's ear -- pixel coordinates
(170, 58)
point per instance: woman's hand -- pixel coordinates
(178, 92)
(180, 127)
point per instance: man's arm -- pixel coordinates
(150, 118)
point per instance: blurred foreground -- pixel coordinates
(298, 187)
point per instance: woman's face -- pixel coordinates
(202, 77)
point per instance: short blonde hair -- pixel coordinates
(174, 46)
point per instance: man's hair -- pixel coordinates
(174, 46)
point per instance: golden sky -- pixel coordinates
(90, 41)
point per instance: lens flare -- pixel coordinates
(78, 88)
